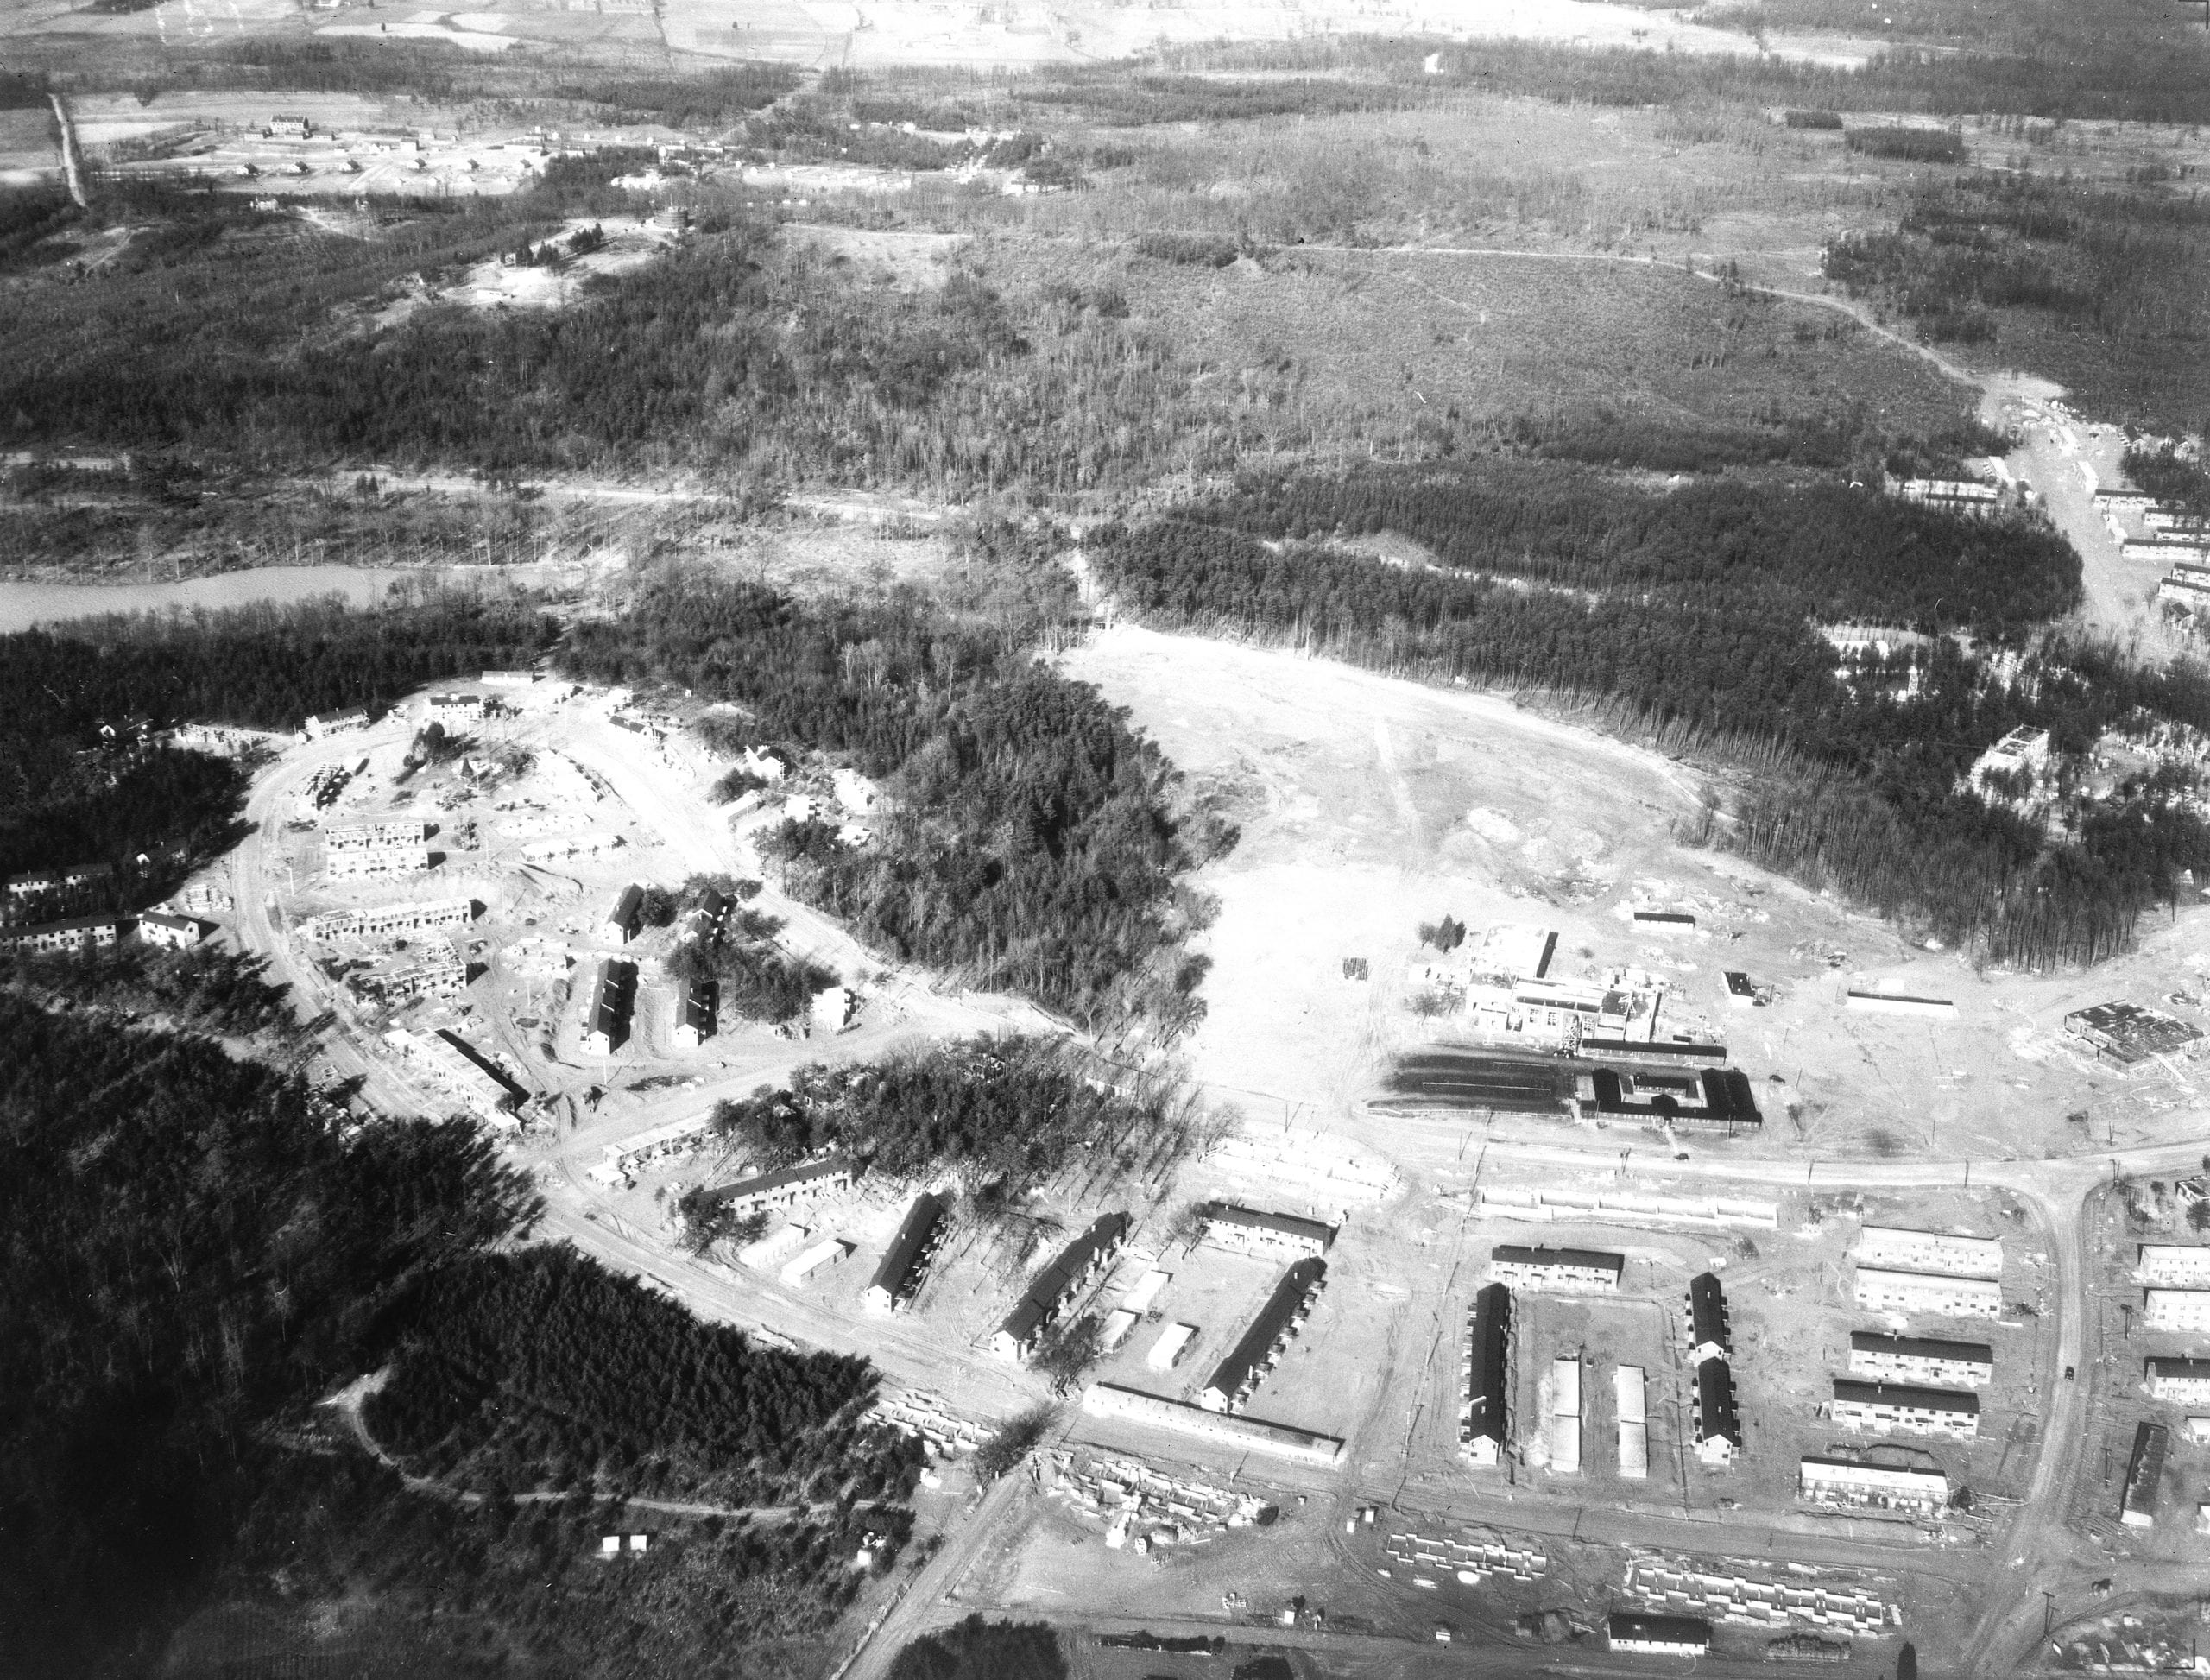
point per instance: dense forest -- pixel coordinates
(191, 1248)
(1007, 1113)
(976, 1650)
(734, 352)
(198, 1252)
(1674, 623)
(72, 796)
(336, 1568)
(1819, 549)
(2166, 474)
(1029, 842)
(542, 1369)
(207, 989)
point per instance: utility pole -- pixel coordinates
(2047, 1613)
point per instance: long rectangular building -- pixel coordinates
(369, 836)
(379, 921)
(1922, 1291)
(2183, 1381)
(1049, 1290)
(785, 1187)
(904, 1263)
(2173, 1264)
(1657, 1636)
(1898, 1408)
(1913, 1359)
(2176, 1309)
(1569, 1271)
(1487, 1376)
(1630, 1403)
(1885, 1247)
(1842, 1481)
(70, 933)
(613, 1000)
(1238, 1376)
(370, 862)
(1107, 1400)
(2144, 1475)
(1708, 1336)
(1717, 1425)
(1248, 1231)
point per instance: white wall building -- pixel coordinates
(1887, 1247)
(1926, 1293)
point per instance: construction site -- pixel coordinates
(1368, 1361)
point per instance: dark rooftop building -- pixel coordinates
(784, 1185)
(1047, 1291)
(623, 920)
(2144, 1475)
(1716, 1099)
(1658, 1636)
(1707, 1326)
(905, 1262)
(2126, 1033)
(1718, 1430)
(1914, 1347)
(1488, 1374)
(1240, 1372)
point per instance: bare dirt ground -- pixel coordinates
(1369, 806)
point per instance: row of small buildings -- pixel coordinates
(98, 932)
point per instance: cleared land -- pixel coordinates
(1368, 808)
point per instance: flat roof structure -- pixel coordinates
(1718, 1100)
(1844, 1481)
(1166, 1352)
(2126, 1033)
(1630, 1406)
(1657, 1636)
(1238, 1375)
(1106, 1400)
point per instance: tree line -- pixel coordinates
(193, 1248)
(542, 1369)
(73, 795)
(1855, 782)
(1007, 1113)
